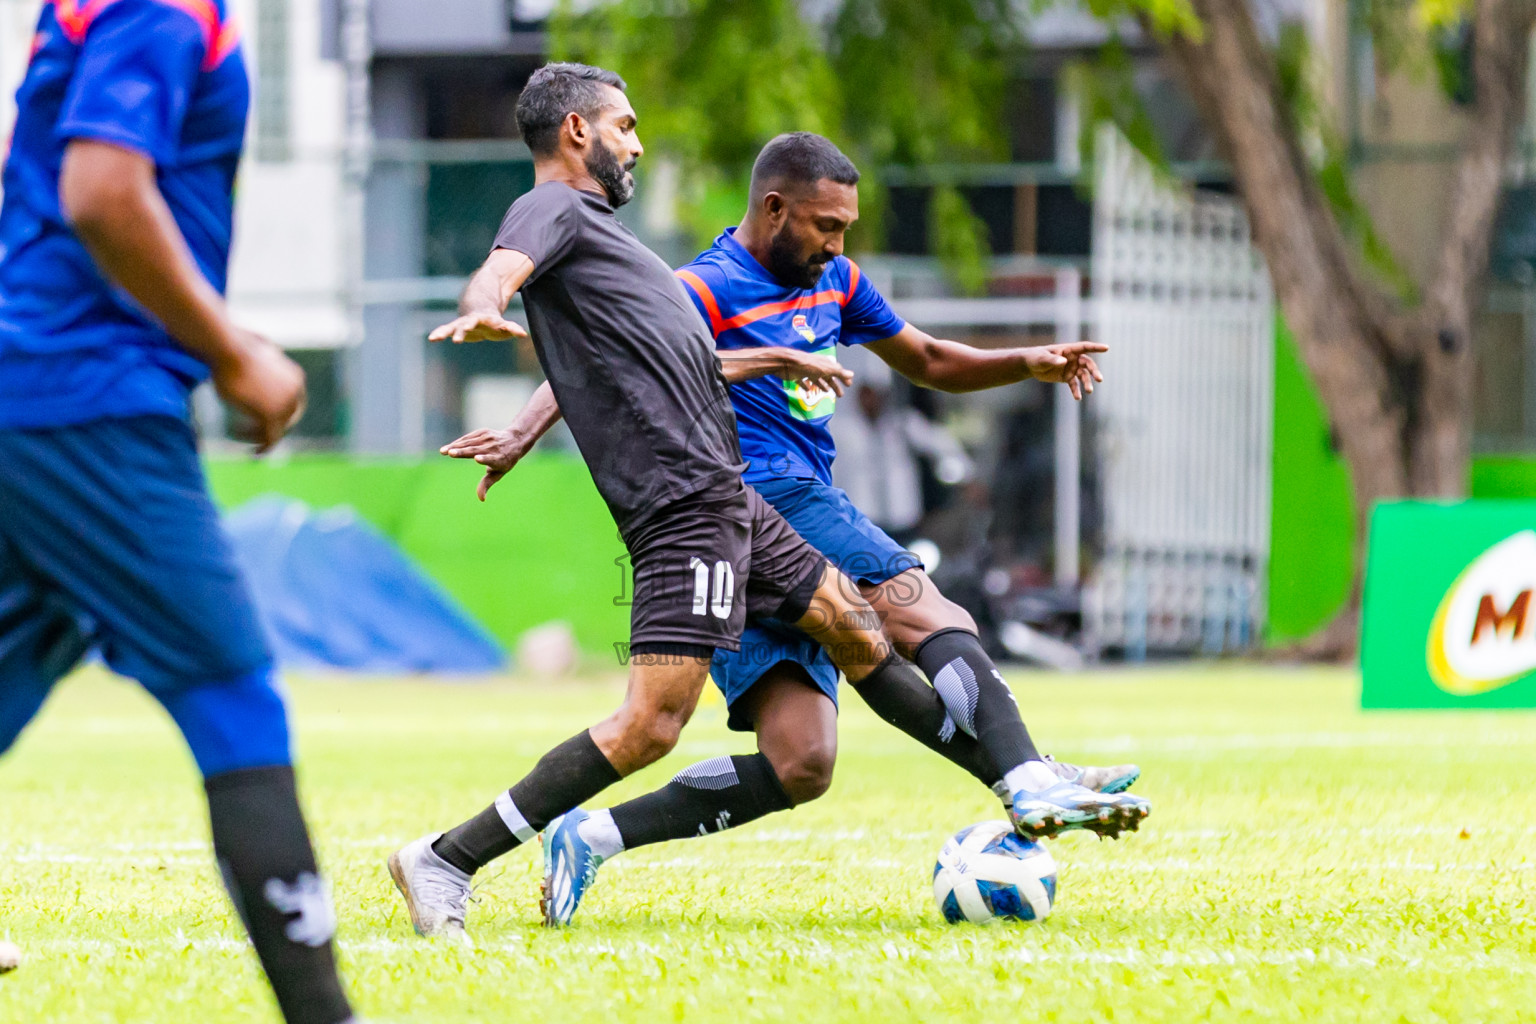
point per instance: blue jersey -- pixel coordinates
(165, 78)
(783, 426)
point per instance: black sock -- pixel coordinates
(710, 796)
(896, 693)
(571, 774)
(264, 854)
(977, 698)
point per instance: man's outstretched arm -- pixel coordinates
(110, 197)
(485, 299)
(810, 369)
(950, 366)
(499, 450)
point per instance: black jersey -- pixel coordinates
(629, 358)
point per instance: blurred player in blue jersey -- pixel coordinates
(778, 297)
(114, 242)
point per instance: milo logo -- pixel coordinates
(810, 403)
(1484, 633)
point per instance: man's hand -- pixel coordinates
(264, 384)
(1066, 364)
(478, 327)
(812, 371)
(497, 450)
(112, 199)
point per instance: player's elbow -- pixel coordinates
(99, 183)
(933, 369)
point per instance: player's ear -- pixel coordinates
(775, 206)
(577, 127)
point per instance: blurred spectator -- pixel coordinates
(1024, 482)
(879, 441)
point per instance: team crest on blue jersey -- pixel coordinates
(803, 328)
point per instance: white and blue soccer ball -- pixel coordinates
(988, 871)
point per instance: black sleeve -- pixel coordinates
(541, 225)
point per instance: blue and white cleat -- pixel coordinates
(1115, 778)
(1067, 806)
(570, 868)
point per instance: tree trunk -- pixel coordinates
(1440, 438)
(1397, 386)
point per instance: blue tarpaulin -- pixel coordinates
(335, 593)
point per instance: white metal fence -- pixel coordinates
(1185, 304)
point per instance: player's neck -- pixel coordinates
(567, 172)
(756, 239)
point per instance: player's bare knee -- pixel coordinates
(911, 609)
(657, 735)
(947, 615)
(807, 774)
(923, 622)
(638, 735)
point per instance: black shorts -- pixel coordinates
(705, 564)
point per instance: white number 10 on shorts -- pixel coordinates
(716, 599)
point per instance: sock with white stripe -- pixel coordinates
(571, 774)
(711, 796)
(978, 700)
(896, 693)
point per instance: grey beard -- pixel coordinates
(616, 181)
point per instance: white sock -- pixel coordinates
(600, 833)
(1033, 776)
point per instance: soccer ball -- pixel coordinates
(988, 872)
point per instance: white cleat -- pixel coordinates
(1115, 778)
(436, 893)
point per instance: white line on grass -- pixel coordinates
(1200, 743)
(1152, 834)
(1136, 866)
(1149, 866)
(502, 726)
(194, 851)
(819, 951)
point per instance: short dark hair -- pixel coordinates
(800, 159)
(555, 90)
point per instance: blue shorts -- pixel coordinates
(824, 516)
(109, 540)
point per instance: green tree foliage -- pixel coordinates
(921, 82)
(711, 80)
(1296, 65)
(1105, 87)
(895, 82)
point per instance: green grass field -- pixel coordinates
(1304, 861)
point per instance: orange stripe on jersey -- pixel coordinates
(214, 28)
(227, 41)
(853, 281)
(75, 19)
(220, 36)
(768, 309)
(706, 296)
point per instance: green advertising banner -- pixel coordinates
(1448, 618)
